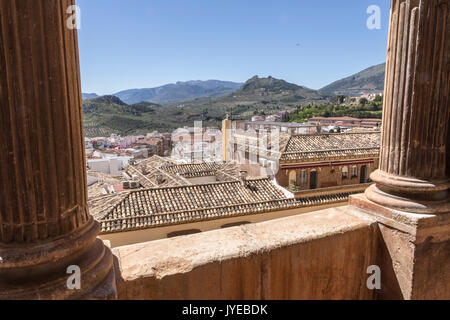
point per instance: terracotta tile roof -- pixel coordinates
(192, 168)
(339, 141)
(224, 171)
(100, 206)
(177, 205)
(150, 174)
(103, 180)
(255, 145)
(158, 172)
(317, 146)
(178, 202)
(322, 146)
(362, 130)
(325, 154)
(96, 190)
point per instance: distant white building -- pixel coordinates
(197, 144)
(88, 143)
(258, 118)
(111, 166)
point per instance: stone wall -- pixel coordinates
(326, 177)
(317, 255)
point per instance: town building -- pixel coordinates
(166, 139)
(308, 161)
(111, 166)
(283, 127)
(197, 144)
(311, 162)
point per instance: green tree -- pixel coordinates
(341, 99)
(378, 98)
(363, 101)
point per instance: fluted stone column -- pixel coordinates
(45, 226)
(410, 197)
(416, 110)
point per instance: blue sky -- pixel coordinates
(147, 43)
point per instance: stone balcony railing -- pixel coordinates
(317, 255)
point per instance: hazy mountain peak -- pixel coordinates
(370, 80)
(108, 99)
(180, 91)
(86, 96)
(269, 84)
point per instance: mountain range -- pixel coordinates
(179, 91)
(370, 80)
(110, 114)
(168, 107)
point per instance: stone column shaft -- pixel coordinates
(45, 225)
(44, 194)
(416, 97)
(416, 112)
(410, 199)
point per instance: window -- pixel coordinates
(344, 172)
(354, 171)
(303, 177)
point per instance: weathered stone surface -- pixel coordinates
(45, 225)
(318, 255)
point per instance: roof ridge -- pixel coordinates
(199, 185)
(333, 134)
(327, 150)
(202, 209)
(193, 164)
(292, 203)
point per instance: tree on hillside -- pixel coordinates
(341, 99)
(363, 101)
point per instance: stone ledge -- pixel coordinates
(418, 225)
(273, 259)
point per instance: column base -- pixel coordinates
(413, 251)
(409, 194)
(41, 272)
